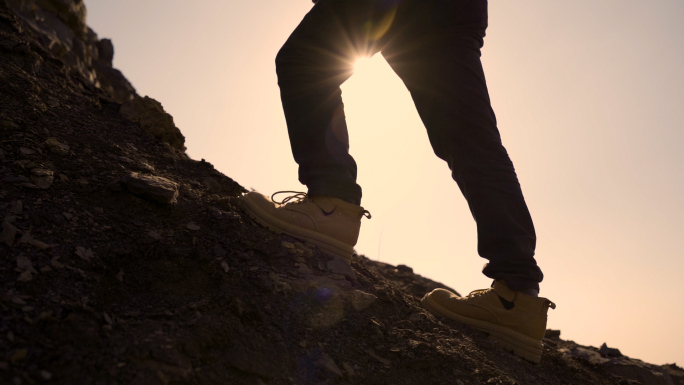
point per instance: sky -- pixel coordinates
(588, 99)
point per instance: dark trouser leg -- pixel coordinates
(316, 59)
(436, 52)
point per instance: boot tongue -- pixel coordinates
(503, 290)
(325, 203)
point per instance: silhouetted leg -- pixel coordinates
(436, 52)
(316, 59)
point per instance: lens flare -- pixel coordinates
(362, 64)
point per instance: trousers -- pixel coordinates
(434, 47)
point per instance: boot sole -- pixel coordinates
(521, 345)
(327, 244)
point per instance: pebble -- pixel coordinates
(57, 147)
(42, 178)
(327, 362)
(26, 151)
(85, 254)
(9, 231)
(225, 266)
(25, 264)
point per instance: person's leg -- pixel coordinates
(436, 53)
(316, 59)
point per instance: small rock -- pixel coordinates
(38, 244)
(25, 276)
(56, 146)
(26, 151)
(44, 374)
(404, 269)
(329, 364)
(155, 235)
(85, 254)
(27, 238)
(609, 352)
(42, 178)
(552, 334)
(25, 264)
(154, 188)
(339, 266)
(9, 231)
(54, 262)
(105, 50)
(360, 300)
(337, 276)
(225, 266)
(304, 269)
(192, 226)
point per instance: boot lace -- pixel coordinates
(300, 197)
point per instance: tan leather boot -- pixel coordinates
(516, 320)
(329, 223)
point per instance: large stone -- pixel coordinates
(155, 188)
(151, 117)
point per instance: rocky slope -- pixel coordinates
(122, 261)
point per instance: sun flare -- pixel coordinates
(363, 64)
